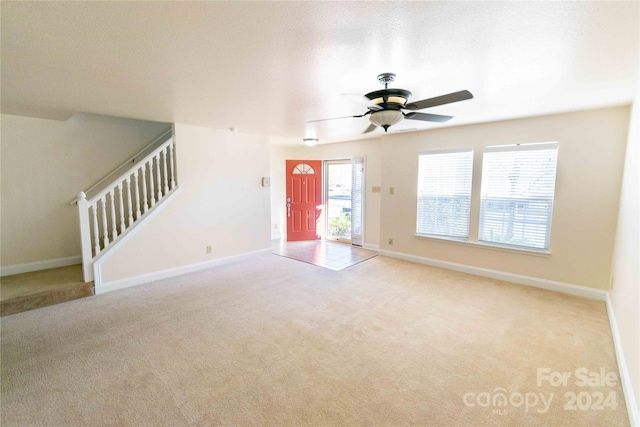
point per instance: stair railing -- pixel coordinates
(112, 212)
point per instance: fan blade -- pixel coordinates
(427, 117)
(370, 128)
(363, 100)
(333, 118)
(439, 100)
(336, 118)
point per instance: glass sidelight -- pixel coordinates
(338, 185)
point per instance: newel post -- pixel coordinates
(85, 237)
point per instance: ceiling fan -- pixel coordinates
(386, 107)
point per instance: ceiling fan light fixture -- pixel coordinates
(397, 100)
(385, 118)
(387, 106)
(310, 142)
(389, 97)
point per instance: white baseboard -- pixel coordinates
(371, 247)
(625, 379)
(565, 288)
(40, 265)
(102, 287)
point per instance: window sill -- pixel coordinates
(483, 245)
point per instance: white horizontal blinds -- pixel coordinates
(357, 190)
(444, 193)
(518, 183)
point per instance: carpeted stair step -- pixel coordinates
(27, 291)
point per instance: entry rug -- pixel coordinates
(334, 256)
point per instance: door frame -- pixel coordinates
(363, 197)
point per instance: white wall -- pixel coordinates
(625, 275)
(278, 155)
(370, 149)
(222, 204)
(590, 161)
(45, 163)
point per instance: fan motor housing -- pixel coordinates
(390, 99)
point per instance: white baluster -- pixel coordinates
(123, 225)
(96, 231)
(166, 166)
(153, 195)
(159, 182)
(172, 164)
(114, 228)
(129, 209)
(137, 193)
(105, 229)
(144, 189)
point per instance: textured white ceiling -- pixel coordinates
(268, 67)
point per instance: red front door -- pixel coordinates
(304, 199)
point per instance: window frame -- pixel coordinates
(512, 148)
(476, 195)
(470, 150)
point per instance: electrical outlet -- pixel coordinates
(390, 241)
(275, 226)
(208, 249)
(392, 190)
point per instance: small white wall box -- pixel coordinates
(266, 181)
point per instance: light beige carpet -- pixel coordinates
(275, 342)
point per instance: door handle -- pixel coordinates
(288, 207)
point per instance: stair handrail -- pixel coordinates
(129, 160)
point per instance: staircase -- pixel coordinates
(108, 212)
(115, 206)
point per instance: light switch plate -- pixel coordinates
(375, 189)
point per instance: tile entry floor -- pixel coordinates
(331, 255)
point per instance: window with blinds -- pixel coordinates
(444, 193)
(357, 191)
(518, 184)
